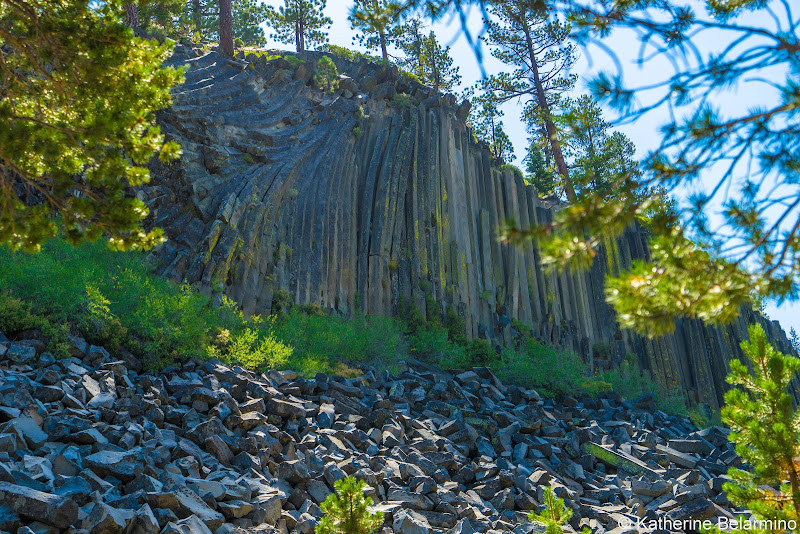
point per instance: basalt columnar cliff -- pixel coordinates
(375, 197)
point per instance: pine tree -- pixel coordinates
(537, 47)
(78, 123)
(408, 38)
(301, 22)
(375, 20)
(200, 18)
(247, 17)
(766, 430)
(484, 121)
(538, 174)
(425, 57)
(554, 515)
(794, 339)
(437, 68)
(347, 511)
(166, 18)
(601, 161)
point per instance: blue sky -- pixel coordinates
(644, 132)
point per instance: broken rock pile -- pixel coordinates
(94, 444)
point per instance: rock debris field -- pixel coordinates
(95, 444)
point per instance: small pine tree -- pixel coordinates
(301, 22)
(765, 427)
(554, 516)
(347, 511)
(539, 176)
(427, 59)
(484, 120)
(327, 76)
(794, 339)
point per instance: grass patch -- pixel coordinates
(402, 99)
(630, 382)
(514, 169)
(347, 54)
(112, 299)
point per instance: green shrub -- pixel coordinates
(17, 316)
(543, 368)
(402, 99)
(312, 309)
(321, 343)
(358, 131)
(601, 350)
(253, 348)
(481, 353)
(346, 53)
(247, 158)
(110, 297)
(261, 53)
(415, 319)
(281, 301)
(456, 328)
(431, 343)
(348, 510)
(294, 61)
(513, 168)
(327, 76)
(631, 383)
(238, 43)
(411, 76)
(433, 313)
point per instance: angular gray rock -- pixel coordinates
(60, 512)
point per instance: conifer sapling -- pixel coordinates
(555, 515)
(347, 511)
(764, 425)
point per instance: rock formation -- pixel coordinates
(375, 196)
(92, 444)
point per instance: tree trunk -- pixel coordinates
(494, 138)
(197, 16)
(418, 49)
(226, 27)
(550, 127)
(132, 15)
(300, 31)
(384, 52)
(436, 77)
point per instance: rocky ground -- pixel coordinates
(93, 443)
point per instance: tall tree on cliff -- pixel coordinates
(486, 124)
(375, 22)
(301, 22)
(539, 175)
(538, 48)
(408, 39)
(226, 27)
(425, 57)
(601, 161)
(438, 70)
(201, 19)
(67, 163)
